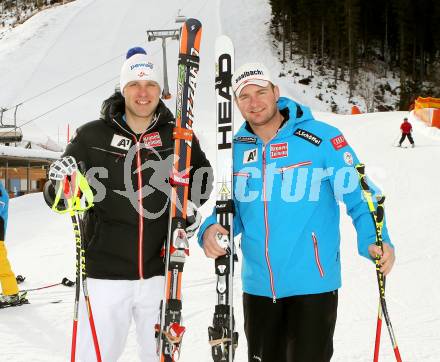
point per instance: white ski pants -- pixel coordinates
(114, 304)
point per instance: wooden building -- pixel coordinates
(23, 171)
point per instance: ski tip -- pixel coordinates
(223, 39)
(193, 24)
(190, 35)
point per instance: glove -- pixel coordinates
(59, 172)
(66, 186)
(193, 219)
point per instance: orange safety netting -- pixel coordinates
(428, 110)
(427, 102)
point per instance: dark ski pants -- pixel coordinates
(294, 329)
(404, 135)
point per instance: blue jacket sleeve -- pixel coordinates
(340, 162)
(4, 203)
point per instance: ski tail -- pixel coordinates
(169, 330)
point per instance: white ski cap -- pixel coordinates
(250, 73)
(138, 66)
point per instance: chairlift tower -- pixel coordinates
(173, 34)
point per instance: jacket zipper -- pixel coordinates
(140, 211)
(140, 196)
(242, 174)
(318, 262)
(296, 165)
(266, 222)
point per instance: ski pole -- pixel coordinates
(86, 291)
(378, 333)
(73, 185)
(74, 208)
(80, 269)
(378, 219)
(77, 287)
(66, 282)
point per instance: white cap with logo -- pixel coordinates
(138, 66)
(250, 73)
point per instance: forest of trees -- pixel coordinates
(346, 36)
(24, 8)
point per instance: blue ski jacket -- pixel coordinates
(287, 195)
(4, 203)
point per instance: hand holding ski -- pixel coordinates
(211, 237)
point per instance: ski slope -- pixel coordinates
(86, 41)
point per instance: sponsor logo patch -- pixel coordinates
(279, 150)
(339, 142)
(250, 156)
(246, 140)
(249, 73)
(148, 65)
(348, 158)
(121, 142)
(310, 137)
(152, 140)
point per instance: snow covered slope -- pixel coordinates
(64, 42)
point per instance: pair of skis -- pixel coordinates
(169, 331)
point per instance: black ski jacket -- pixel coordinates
(126, 230)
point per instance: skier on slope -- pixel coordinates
(11, 295)
(406, 129)
(132, 147)
(290, 170)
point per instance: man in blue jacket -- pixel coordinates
(290, 172)
(11, 296)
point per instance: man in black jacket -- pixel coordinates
(128, 153)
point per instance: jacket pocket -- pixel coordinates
(283, 169)
(317, 259)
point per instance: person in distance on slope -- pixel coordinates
(11, 295)
(290, 171)
(132, 143)
(406, 129)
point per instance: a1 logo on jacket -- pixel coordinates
(250, 156)
(121, 142)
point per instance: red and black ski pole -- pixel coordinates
(66, 282)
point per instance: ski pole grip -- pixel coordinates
(67, 282)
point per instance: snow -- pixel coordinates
(71, 41)
(29, 153)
